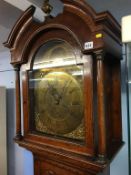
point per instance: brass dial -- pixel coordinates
(59, 103)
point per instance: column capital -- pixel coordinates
(17, 67)
(99, 54)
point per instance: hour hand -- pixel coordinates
(57, 97)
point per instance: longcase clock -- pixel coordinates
(69, 69)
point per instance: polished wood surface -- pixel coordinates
(77, 25)
(101, 105)
(18, 104)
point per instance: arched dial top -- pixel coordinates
(56, 86)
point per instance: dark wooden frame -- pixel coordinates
(88, 149)
(102, 91)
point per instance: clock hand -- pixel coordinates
(65, 87)
(57, 97)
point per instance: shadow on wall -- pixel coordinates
(11, 130)
(15, 153)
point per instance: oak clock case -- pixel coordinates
(68, 89)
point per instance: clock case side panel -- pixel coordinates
(108, 104)
(112, 85)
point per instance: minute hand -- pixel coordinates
(57, 97)
(65, 87)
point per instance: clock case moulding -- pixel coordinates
(78, 24)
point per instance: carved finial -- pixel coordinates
(46, 8)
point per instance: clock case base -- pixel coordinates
(55, 162)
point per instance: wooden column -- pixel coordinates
(101, 107)
(18, 104)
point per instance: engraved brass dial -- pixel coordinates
(59, 102)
